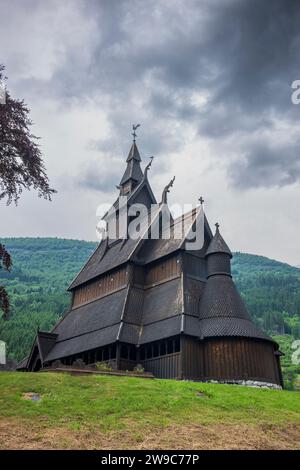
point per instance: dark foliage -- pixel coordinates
(21, 165)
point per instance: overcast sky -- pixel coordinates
(210, 82)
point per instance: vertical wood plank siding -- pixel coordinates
(101, 287)
(158, 272)
(229, 359)
(195, 266)
(165, 367)
(106, 284)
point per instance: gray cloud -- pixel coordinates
(148, 59)
(267, 165)
(92, 178)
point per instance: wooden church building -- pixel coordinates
(157, 303)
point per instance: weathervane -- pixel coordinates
(134, 128)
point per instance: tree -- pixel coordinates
(21, 164)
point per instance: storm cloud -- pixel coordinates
(223, 68)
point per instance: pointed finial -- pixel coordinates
(166, 191)
(148, 166)
(134, 128)
(217, 227)
(201, 200)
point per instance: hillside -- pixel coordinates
(106, 412)
(44, 267)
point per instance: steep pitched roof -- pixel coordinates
(222, 311)
(134, 153)
(222, 299)
(214, 327)
(218, 245)
(163, 301)
(103, 260)
(91, 340)
(153, 249)
(89, 326)
(133, 169)
(163, 329)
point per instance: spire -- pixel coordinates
(134, 153)
(133, 173)
(218, 245)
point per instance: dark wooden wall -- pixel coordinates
(194, 266)
(162, 271)
(138, 276)
(165, 367)
(193, 290)
(100, 287)
(229, 359)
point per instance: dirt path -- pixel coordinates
(14, 435)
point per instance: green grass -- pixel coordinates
(112, 403)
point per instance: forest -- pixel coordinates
(44, 267)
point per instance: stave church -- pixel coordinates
(155, 303)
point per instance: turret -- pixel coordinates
(221, 297)
(218, 256)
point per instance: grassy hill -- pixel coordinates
(106, 412)
(44, 267)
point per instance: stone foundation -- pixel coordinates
(248, 383)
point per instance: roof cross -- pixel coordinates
(217, 226)
(201, 200)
